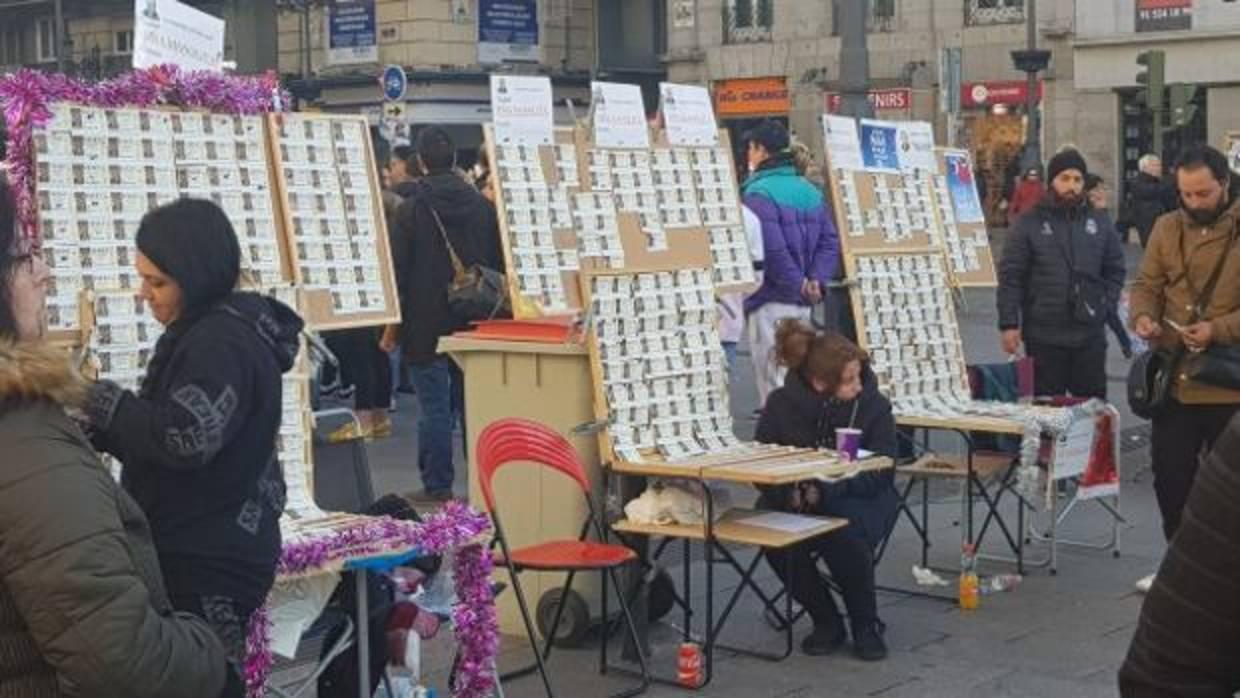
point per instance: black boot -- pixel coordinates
(824, 640)
(868, 642)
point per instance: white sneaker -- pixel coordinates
(1144, 584)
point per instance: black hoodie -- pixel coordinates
(423, 267)
(796, 415)
(198, 445)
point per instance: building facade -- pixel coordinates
(94, 38)
(780, 58)
(448, 64)
(1200, 40)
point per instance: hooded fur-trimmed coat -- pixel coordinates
(83, 611)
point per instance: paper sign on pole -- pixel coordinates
(843, 146)
(619, 116)
(169, 32)
(916, 143)
(688, 114)
(521, 107)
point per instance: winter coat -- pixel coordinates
(798, 237)
(1177, 264)
(796, 415)
(1024, 198)
(83, 611)
(1186, 639)
(1148, 198)
(198, 443)
(420, 257)
(1036, 278)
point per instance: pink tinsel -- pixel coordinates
(27, 96)
(454, 527)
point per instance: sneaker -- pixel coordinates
(824, 640)
(1144, 584)
(868, 643)
(351, 431)
(381, 430)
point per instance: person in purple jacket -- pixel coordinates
(800, 244)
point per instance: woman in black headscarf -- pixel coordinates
(198, 442)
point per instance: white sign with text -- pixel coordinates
(167, 32)
(521, 106)
(688, 115)
(619, 116)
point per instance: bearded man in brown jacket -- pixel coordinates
(1184, 249)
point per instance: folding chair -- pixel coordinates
(516, 440)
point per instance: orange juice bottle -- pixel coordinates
(970, 588)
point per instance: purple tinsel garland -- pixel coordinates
(28, 95)
(454, 527)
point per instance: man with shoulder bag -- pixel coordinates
(448, 262)
(1186, 302)
(1060, 277)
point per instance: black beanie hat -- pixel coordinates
(192, 241)
(1066, 160)
(769, 134)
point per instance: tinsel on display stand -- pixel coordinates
(27, 96)
(455, 527)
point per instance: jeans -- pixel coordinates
(439, 391)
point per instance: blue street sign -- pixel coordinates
(394, 83)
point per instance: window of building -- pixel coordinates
(748, 20)
(122, 41)
(11, 52)
(881, 17)
(994, 11)
(45, 39)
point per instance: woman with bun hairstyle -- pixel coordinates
(829, 386)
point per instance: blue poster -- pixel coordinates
(507, 31)
(963, 187)
(879, 147)
(351, 36)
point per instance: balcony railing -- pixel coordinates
(985, 12)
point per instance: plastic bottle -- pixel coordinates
(1001, 583)
(970, 587)
(689, 665)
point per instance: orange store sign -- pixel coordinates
(751, 97)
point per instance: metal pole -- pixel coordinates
(59, 39)
(854, 57)
(1033, 138)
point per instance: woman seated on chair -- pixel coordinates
(830, 386)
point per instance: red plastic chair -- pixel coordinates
(508, 441)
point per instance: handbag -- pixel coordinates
(1152, 374)
(476, 292)
(1086, 292)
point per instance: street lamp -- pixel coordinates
(1031, 61)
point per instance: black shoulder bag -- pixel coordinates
(1152, 374)
(1087, 292)
(475, 292)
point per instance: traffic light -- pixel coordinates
(1182, 107)
(1152, 77)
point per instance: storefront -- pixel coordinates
(892, 104)
(993, 129)
(743, 103)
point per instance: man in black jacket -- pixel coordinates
(1062, 269)
(423, 270)
(1148, 197)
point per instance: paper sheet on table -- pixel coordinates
(295, 604)
(780, 521)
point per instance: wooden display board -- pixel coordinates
(99, 170)
(331, 212)
(906, 321)
(882, 211)
(966, 243)
(571, 208)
